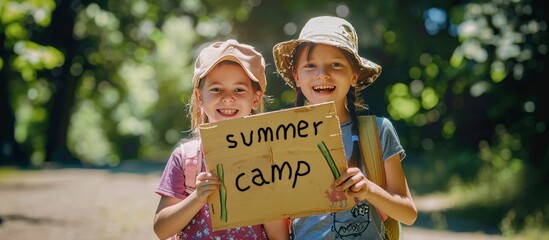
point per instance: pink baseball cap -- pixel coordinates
(251, 61)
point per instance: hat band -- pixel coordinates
(339, 39)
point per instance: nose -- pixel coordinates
(322, 73)
(227, 98)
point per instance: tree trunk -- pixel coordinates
(11, 152)
(62, 23)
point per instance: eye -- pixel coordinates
(337, 65)
(239, 90)
(309, 66)
(215, 90)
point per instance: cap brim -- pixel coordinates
(236, 60)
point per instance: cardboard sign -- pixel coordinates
(275, 165)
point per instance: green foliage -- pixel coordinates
(534, 225)
(18, 11)
(499, 180)
(92, 142)
(401, 104)
(29, 92)
(32, 57)
(460, 80)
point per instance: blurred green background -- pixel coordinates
(94, 83)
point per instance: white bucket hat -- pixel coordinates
(331, 31)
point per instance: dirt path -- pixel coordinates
(119, 203)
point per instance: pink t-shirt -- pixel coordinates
(172, 184)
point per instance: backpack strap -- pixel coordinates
(191, 160)
(371, 149)
(372, 159)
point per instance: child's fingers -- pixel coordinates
(350, 184)
(205, 178)
(207, 181)
(349, 180)
(358, 186)
(205, 191)
(206, 175)
(206, 188)
(345, 175)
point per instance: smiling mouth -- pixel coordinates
(227, 112)
(323, 89)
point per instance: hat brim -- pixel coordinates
(283, 57)
(232, 59)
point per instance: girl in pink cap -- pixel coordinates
(324, 65)
(229, 82)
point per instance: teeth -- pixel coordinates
(227, 111)
(323, 88)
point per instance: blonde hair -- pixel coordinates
(198, 117)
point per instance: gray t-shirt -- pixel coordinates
(358, 222)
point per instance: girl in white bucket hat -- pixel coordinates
(324, 65)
